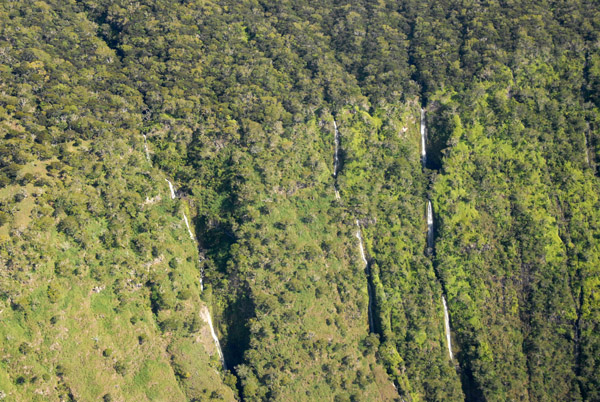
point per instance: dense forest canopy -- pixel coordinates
(228, 200)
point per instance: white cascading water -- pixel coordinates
(146, 149)
(360, 244)
(430, 229)
(358, 233)
(172, 189)
(429, 226)
(201, 278)
(336, 160)
(423, 138)
(366, 264)
(585, 143)
(336, 141)
(187, 224)
(205, 314)
(447, 328)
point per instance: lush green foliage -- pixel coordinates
(100, 294)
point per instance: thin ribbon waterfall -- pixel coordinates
(204, 313)
(171, 189)
(430, 232)
(368, 272)
(336, 159)
(586, 149)
(447, 328)
(146, 149)
(429, 227)
(423, 138)
(187, 224)
(336, 164)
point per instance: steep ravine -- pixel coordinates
(146, 149)
(204, 312)
(336, 164)
(336, 159)
(431, 233)
(368, 272)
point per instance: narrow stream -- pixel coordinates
(336, 164)
(187, 224)
(368, 272)
(204, 313)
(172, 189)
(447, 327)
(423, 139)
(429, 227)
(585, 144)
(336, 141)
(431, 231)
(336, 159)
(146, 149)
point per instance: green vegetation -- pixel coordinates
(102, 290)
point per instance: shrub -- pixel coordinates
(120, 368)
(24, 348)
(170, 324)
(185, 294)
(42, 182)
(68, 225)
(180, 372)
(54, 292)
(4, 217)
(26, 179)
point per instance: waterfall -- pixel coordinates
(336, 141)
(336, 159)
(201, 277)
(368, 272)
(430, 245)
(360, 245)
(205, 314)
(423, 138)
(172, 189)
(187, 224)
(447, 328)
(430, 230)
(585, 144)
(146, 149)
(429, 226)
(358, 233)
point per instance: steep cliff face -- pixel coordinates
(268, 201)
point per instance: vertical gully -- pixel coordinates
(430, 234)
(361, 248)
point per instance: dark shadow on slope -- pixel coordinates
(469, 387)
(215, 239)
(236, 316)
(439, 127)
